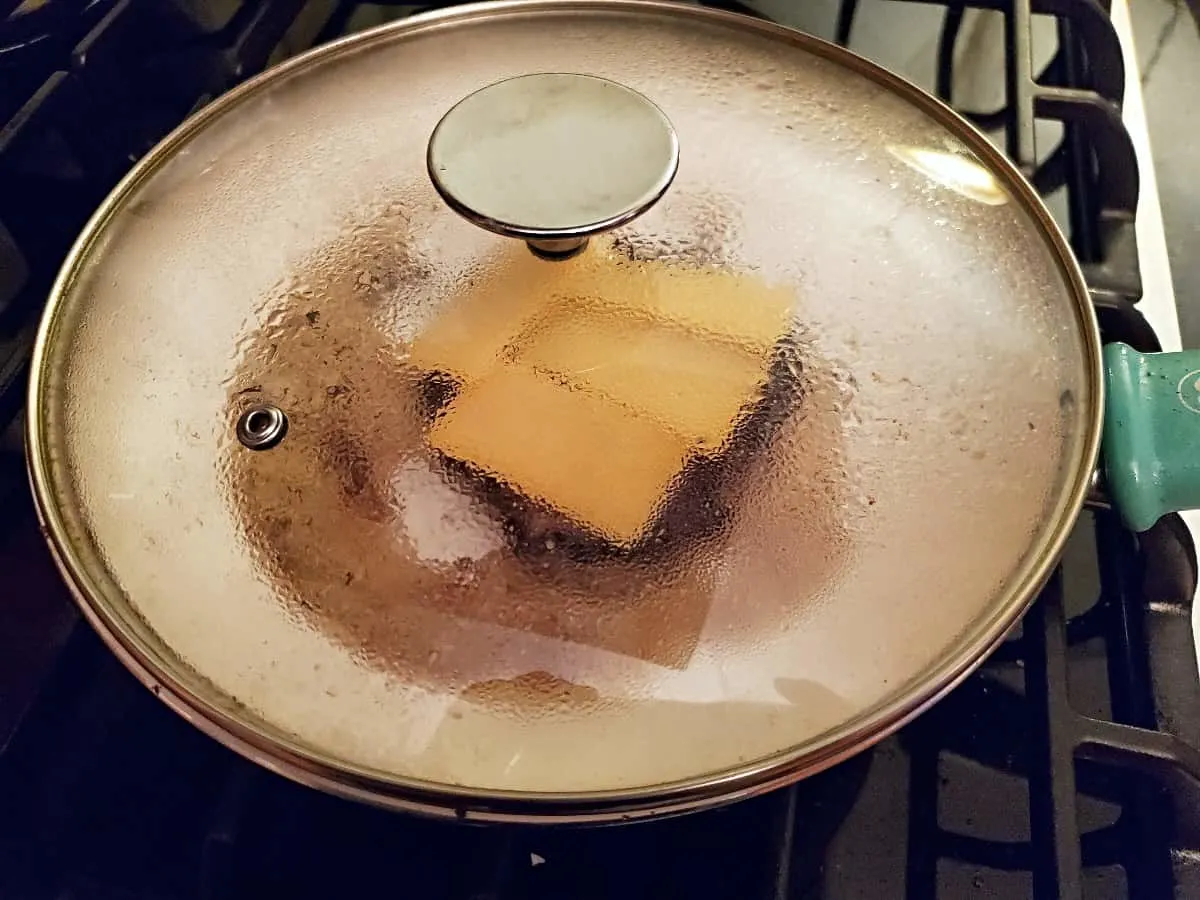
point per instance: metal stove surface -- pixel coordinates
(1065, 768)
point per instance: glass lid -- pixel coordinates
(563, 435)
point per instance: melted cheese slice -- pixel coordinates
(469, 334)
(477, 328)
(589, 458)
(695, 387)
(587, 383)
(712, 303)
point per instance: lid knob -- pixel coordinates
(553, 158)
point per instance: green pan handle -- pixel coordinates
(1151, 446)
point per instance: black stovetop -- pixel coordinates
(1064, 768)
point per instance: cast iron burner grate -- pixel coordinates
(1065, 768)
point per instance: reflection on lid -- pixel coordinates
(962, 174)
(441, 524)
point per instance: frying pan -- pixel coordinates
(768, 443)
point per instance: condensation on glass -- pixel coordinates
(732, 477)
